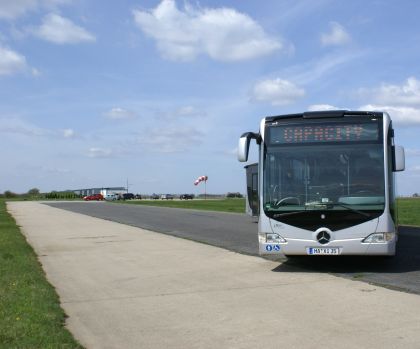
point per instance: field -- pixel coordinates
(408, 208)
(30, 313)
(223, 205)
(409, 211)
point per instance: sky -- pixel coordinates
(157, 93)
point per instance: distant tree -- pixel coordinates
(234, 195)
(33, 192)
(51, 195)
(9, 194)
(415, 195)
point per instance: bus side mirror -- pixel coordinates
(399, 158)
(243, 146)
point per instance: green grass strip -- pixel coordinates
(408, 208)
(409, 211)
(224, 205)
(30, 312)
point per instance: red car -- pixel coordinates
(97, 197)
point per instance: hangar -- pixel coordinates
(104, 191)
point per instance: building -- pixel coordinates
(103, 191)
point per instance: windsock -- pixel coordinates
(200, 179)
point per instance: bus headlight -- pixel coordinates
(377, 238)
(271, 238)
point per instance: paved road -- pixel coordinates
(127, 287)
(237, 232)
(233, 231)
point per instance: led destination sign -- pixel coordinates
(337, 132)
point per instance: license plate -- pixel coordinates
(323, 250)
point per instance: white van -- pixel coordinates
(111, 197)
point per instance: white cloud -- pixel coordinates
(35, 72)
(55, 170)
(184, 112)
(20, 127)
(171, 139)
(17, 126)
(402, 102)
(68, 133)
(11, 9)
(99, 153)
(11, 62)
(190, 111)
(406, 94)
(60, 30)
(119, 114)
(224, 34)
(316, 107)
(412, 152)
(318, 68)
(231, 152)
(336, 36)
(403, 116)
(54, 3)
(276, 92)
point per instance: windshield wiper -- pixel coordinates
(284, 214)
(332, 205)
(329, 205)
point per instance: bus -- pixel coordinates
(326, 183)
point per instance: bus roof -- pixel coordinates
(323, 114)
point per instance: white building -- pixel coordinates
(103, 191)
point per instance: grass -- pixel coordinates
(224, 205)
(40, 198)
(408, 208)
(30, 312)
(409, 211)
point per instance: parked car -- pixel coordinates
(138, 197)
(93, 197)
(111, 197)
(186, 197)
(154, 197)
(166, 197)
(127, 196)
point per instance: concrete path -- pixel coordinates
(238, 233)
(125, 287)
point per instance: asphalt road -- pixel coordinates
(238, 233)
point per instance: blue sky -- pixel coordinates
(95, 92)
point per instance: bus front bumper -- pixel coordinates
(336, 247)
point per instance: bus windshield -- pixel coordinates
(336, 177)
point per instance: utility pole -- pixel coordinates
(128, 185)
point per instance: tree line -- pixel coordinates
(35, 193)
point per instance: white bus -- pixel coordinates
(326, 183)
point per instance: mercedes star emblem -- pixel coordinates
(323, 237)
